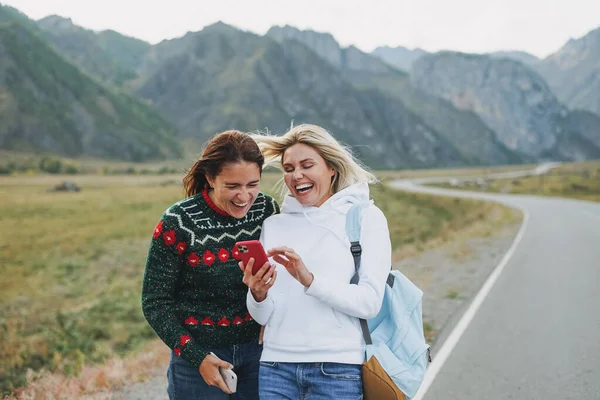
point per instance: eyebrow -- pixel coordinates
(302, 161)
(237, 183)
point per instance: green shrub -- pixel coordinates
(52, 165)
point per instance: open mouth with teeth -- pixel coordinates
(240, 205)
(303, 188)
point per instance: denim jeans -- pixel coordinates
(186, 383)
(309, 381)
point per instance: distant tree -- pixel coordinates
(70, 169)
(51, 165)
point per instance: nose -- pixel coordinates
(244, 195)
(297, 174)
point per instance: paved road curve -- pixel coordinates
(533, 332)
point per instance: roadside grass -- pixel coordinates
(418, 222)
(454, 172)
(71, 266)
(574, 180)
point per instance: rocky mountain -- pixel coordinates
(127, 51)
(473, 139)
(108, 55)
(10, 14)
(403, 58)
(400, 57)
(351, 58)
(224, 78)
(221, 78)
(573, 72)
(512, 100)
(521, 56)
(48, 104)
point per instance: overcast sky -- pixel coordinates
(539, 27)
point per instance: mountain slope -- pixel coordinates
(47, 104)
(324, 45)
(400, 57)
(473, 139)
(512, 100)
(573, 72)
(521, 56)
(89, 51)
(222, 78)
(129, 52)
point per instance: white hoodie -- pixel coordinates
(320, 324)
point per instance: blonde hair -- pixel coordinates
(348, 170)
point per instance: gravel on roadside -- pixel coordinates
(451, 275)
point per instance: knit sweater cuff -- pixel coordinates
(194, 354)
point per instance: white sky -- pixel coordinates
(539, 27)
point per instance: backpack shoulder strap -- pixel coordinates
(353, 232)
(353, 221)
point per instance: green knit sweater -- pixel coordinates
(193, 295)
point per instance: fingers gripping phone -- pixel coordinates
(229, 377)
(252, 249)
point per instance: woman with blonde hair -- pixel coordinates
(313, 345)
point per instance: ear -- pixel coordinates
(211, 182)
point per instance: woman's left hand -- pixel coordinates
(292, 263)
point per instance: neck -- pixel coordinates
(323, 200)
(209, 196)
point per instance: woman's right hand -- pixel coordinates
(261, 282)
(209, 369)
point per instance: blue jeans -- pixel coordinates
(309, 381)
(186, 383)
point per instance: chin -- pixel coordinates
(305, 202)
(239, 213)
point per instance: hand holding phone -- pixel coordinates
(229, 377)
(260, 276)
(219, 373)
(252, 249)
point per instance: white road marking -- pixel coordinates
(460, 328)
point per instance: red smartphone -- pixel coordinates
(252, 249)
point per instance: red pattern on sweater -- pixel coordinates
(181, 247)
(169, 237)
(158, 229)
(223, 255)
(208, 258)
(193, 259)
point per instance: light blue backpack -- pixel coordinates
(395, 336)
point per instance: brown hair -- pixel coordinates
(228, 147)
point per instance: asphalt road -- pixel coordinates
(533, 331)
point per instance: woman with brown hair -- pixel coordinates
(193, 295)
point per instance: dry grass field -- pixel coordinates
(71, 265)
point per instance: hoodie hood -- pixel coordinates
(331, 215)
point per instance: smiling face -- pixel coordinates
(235, 188)
(307, 175)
